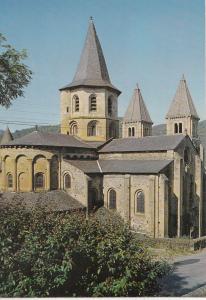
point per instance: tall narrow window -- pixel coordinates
(67, 181)
(67, 108)
(129, 131)
(92, 103)
(176, 128)
(110, 106)
(10, 180)
(140, 202)
(133, 131)
(92, 128)
(76, 103)
(112, 199)
(180, 127)
(39, 180)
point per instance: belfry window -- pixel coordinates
(73, 128)
(76, 103)
(133, 131)
(39, 180)
(180, 127)
(176, 128)
(110, 106)
(140, 202)
(129, 131)
(10, 180)
(112, 199)
(92, 103)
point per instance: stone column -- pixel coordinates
(152, 204)
(178, 192)
(198, 195)
(14, 175)
(30, 174)
(48, 175)
(3, 176)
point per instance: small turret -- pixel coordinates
(7, 136)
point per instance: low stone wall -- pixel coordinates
(173, 243)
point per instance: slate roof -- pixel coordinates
(92, 68)
(37, 138)
(121, 166)
(7, 136)
(137, 110)
(144, 144)
(182, 104)
(51, 201)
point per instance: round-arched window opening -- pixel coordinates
(39, 181)
(9, 180)
(92, 103)
(112, 199)
(67, 181)
(140, 202)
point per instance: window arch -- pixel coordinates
(67, 181)
(129, 131)
(112, 199)
(9, 180)
(73, 128)
(110, 104)
(133, 131)
(76, 103)
(140, 202)
(92, 103)
(176, 128)
(92, 128)
(39, 180)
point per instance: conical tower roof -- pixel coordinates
(7, 136)
(182, 104)
(137, 110)
(92, 68)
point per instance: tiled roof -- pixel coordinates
(37, 138)
(137, 110)
(121, 166)
(182, 104)
(92, 68)
(50, 201)
(145, 144)
(7, 136)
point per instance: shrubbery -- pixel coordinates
(66, 255)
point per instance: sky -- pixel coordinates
(149, 42)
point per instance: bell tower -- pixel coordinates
(182, 117)
(89, 104)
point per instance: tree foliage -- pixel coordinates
(14, 74)
(66, 255)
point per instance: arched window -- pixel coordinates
(76, 103)
(9, 180)
(67, 181)
(140, 202)
(92, 103)
(176, 128)
(73, 128)
(180, 127)
(112, 199)
(129, 131)
(133, 131)
(39, 180)
(92, 128)
(110, 106)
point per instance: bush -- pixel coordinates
(66, 255)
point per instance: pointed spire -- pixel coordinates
(92, 68)
(182, 104)
(137, 110)
(7, 136)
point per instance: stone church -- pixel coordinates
(156, 183)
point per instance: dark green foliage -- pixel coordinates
(14, 75)
(67, 255)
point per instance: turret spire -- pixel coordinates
(7, 136)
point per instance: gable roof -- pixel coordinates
(92, 68)
(182, 104)
(144, 144)
(137, 110)
(37, 138)
(120, 166)
(7, 136)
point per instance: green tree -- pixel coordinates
(66, 255)
(14, 74)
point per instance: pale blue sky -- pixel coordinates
(151, 42)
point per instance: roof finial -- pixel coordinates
(36, 128)
(183, 76)
(91, 19)
(137, 86)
